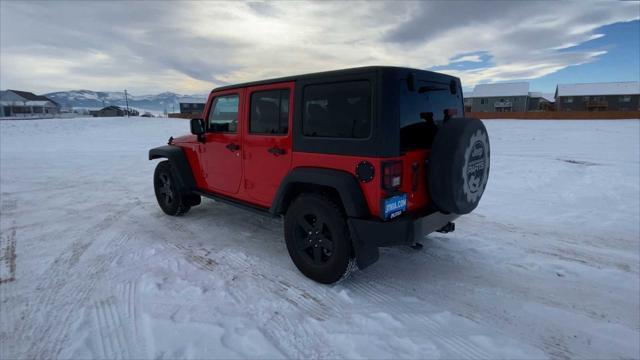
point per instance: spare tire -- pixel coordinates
(459, 165)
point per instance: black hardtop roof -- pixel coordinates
(332, 73)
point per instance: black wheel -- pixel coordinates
(318, 238)
(170, 199)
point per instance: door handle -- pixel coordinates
(233, 147)
(277, 151)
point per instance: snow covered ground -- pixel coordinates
(546, 267)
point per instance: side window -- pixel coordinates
(223, 116)
(341, 110)
(269, 112)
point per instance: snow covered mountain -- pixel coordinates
(97, 99)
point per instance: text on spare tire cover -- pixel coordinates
(475, 169)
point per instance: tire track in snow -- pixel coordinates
(573, 249)
(557, 348)
(8, 205)
(113, 335)
(8, 255)
(378, 294)
(312, 302)
(288, 335)
(102, 343)
(56, 275)
(408, 312)
(59, 318)
(492, 279)
(60, 293)
(130, 297)
(317, 302)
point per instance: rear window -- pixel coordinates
(339, 110)
(423, 110)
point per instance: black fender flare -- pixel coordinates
(180, 165)
(353, 200)
(343, 182)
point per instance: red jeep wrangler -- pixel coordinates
(354, 159)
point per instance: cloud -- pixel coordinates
(190, 47)
(467, 58)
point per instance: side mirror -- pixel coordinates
(197, 126)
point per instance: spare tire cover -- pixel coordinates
(459, 165)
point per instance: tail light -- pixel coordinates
(391, 175)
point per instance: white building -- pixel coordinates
(14, 103)
(499, 97)
(605, 96)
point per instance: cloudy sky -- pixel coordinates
(190, 47)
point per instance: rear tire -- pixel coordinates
(169, 197)
(459, 165)
(318, 239)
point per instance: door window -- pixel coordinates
(223, 116)
(269, 112)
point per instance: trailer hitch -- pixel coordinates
(450, 227)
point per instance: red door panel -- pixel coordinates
(267, 139)
(221, 153)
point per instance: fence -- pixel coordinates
(557, 115)
(186, 115)
(41, 116)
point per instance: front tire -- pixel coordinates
(318, 239)
(170, 199)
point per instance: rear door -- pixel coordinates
(267, 139)
(220, 155)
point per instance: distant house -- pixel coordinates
(192, 108)
(541, 102)
(611, 96)
(468, 101)
(113, 111)
(15, 103)
(499, 97)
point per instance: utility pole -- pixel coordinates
(126, 101)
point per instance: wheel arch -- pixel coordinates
(336, 183)
(180, 165)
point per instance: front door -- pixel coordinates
(220, 154)
(267, 139)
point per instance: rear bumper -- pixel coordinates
(369, 235)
